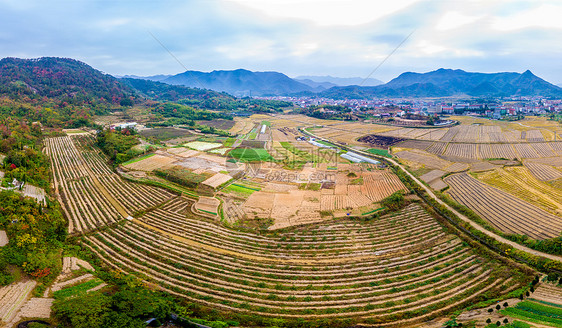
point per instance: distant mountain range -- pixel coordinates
(339, 81)
(439, 83)
(240, 82)
(448, 82)
(243, 82)
(65, 78)
(155, 78)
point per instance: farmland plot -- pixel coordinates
(417, 144)
(519, 182)
(462, 150)
(543, 172)
(504, 211)
(393, 266)
(437, 148)
(92, 195)
(151, 163)
(525, 151)
(503, 151)
(426, 159)
(543, 149)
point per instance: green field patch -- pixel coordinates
(220, 151)
(356, 181)
(535, 312)
(373, 211)
(246, 187)
(266, 123)
(252, 135)
(303, 156)
(182, 176)
(251, 154)
(138, 159)
(544, 302)
(379, 152)
(203, 145)
(241, 189)
(310, 186)
(229, 142)
(76, 290)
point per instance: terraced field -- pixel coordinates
(92, 194)
(403, 265)
(503, 210)
(398, 269)
(519, 182)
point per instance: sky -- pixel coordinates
(345, 38)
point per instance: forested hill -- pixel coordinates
(448, 82)
(166, 92)
(240, 82)
(63, 79)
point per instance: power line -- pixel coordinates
(176, 58)
(384, 60)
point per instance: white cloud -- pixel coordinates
(545, 16)
(328, 12)
(453, 19)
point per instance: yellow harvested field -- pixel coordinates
(424, 158)
(457, 167)
(217, 180)
(242, 126)
(503, 210)
(525, 151)
(552, 161)
(182, 152)
(543, 172)
(519, 182)
(151, 163)
(462, 150)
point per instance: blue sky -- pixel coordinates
(297, 37)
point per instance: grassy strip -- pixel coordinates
(325, 143)
(138, 159)
(239, 190)
(545, 302)
(380, 152)
(373, 211)
(246, 187)
(528, 316)
(251, 154)
(209, 212)
(537, 307)
(76, 290)
(300, 153)
(229, 142)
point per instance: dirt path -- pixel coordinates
(461, 216)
